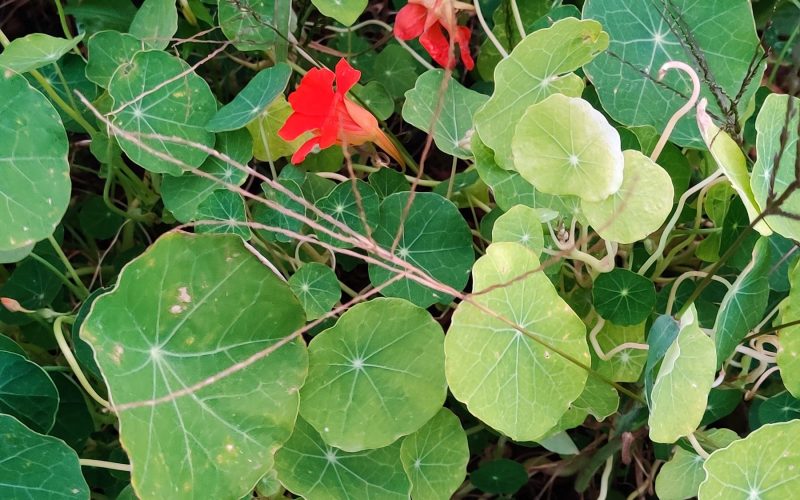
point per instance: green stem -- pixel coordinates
(73, 363)
(107, 199)
(69, 110)
(50, 267)
(84, 292)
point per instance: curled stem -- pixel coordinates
(73, 363)
(605, 356)
(662, 141)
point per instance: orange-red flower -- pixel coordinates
(426, 19)
(328, 113)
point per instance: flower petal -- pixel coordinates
(314, 96)
(410, 21)
(434, 41)
(346, 77)
(462, 39)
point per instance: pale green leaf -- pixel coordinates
(788, 356)
(267, 145)
(372, 378)
(625, 365)
(518, 385)
(34, 173)
(539, 66)
(521, 225)
(435, 457)
(344, 11)
(639, 207)
(250, 24)
(180, 108)
(188, 308)
(563, 146)
(34, 51)
(680, 392)
(447, 114)
(155, 23)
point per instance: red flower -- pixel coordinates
(330, 115)
(426, 19)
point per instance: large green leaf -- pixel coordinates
(34, 466)
(639, 207)
(680, 478)
(761, 466)
(109, 50)
(252, 99)
(776, 124)
(155, 23)
(34, 51)
(680, 392)
(788, 356)
(27, 392)
(188, 308)
(34, 172)
(344, 11)
(249, 24)
(539, 66)
(435, 457)
(563, 146)
(435, 238)
(744, 304)
(373, 379)
(180, 108)
(521, 225)
(514, 383)
(448, 114)
(309, 467)
(716, 35)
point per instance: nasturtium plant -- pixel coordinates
(425, 249)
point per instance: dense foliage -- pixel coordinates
(383, 249)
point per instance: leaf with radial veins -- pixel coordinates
(680, 392)
(27, 392)
(34, 170)
(183, 194)
(645, 35)
(34, 51)
(539, 66)
(788, 357)
(352, 209)
(625, 365)
(563, 146)
(249, 24)
(373, 379)
(639, 207)
(521, 225)
(680, 478)
(344, 11)
(34, 466)
(317, 288)
(223, 212)
(447, 114)
(215, 305)
(518, 385)
(435, 457)
(623, 297)
(267, 144)
(252, 99)
(309, 467)
(181, 108)
(763, 465)
(155, 23)
(779, 114)
(109, 50)
(744, 305)
(435, 238)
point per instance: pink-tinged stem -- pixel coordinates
(662, 141)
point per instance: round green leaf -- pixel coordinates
(623, 297)
(626, 365)
(521, 225)
(188, 308)
(155, 23)
(639, 207)
(680, 478)
(181, 108)
(516, 384)
(780, 408)
(35, 182)
(563, 146)
(252, 99)
(27, 392)
(680, 392)
(183, 195)
(34, 466)
(309, 467)
(97, 220)
(539, 66)
(344, 11)
(435, 457)
(109, 50)
(395, 68)
(761, 466)
(447, 115)
(249, 24)
(267, 145)
(718, 36)
(375, 98)
(34, 51)
(789, 349)
(225, 209)
(373, 379)
(500, 476)
(349, 208)
(387, 182)
(317, 288)
(435, 238)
